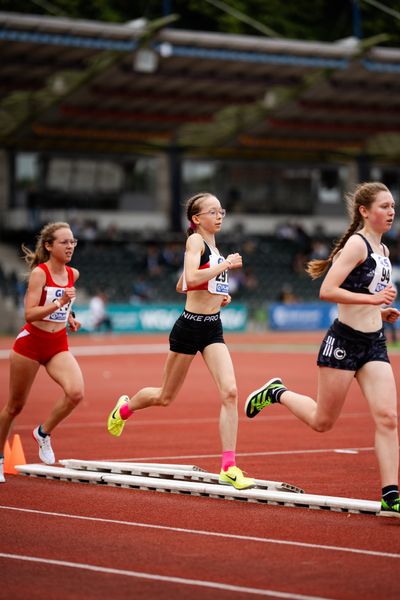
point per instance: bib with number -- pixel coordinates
(217, 285)
(52, 291)
(372, 276)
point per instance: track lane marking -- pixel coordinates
(126, 349)
(164, 578)
(202, 532)
(264, 453)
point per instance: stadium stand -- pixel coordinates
(111, 139)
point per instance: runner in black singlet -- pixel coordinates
(358, 280)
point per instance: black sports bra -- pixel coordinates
(371, 276)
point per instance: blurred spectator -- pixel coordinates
(20, 290)
(299, 262)
(142, 291)
(98, 313)
(319, 250)
(233, 203)
(76, 227)
(242, 281)
(237, 281)
(172, 255)
(249, 250)
(153, 260)
(287, 295)
(3, 281)
(286, 231)
(89, 230)
(251, 281)
(112, 232)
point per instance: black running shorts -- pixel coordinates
(346, 348)
(192, 332)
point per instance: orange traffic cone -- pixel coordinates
(17, 456)
(7, 457)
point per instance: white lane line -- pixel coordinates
(155, 577)
(231, 536)
(240, 454)
(126, 349)
(108, 350)
(266, 453)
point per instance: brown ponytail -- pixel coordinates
(364, 195)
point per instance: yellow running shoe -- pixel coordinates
(234, 476)
(115, 423)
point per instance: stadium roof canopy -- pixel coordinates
(78, 86)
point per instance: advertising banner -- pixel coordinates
(154, 318)
(301, 317)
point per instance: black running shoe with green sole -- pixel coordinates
(390, 509)
(262, 397)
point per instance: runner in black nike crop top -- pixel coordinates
(198, 329)
(216, 285)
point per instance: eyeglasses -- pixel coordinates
(213, 212)
(68, 242)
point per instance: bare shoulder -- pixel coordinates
(356, 244)
(354, 251)
(76, 273)
(195, 243)
(36, 279)
(37, 274)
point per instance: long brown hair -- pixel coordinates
(192, 208)
(41, 254)
(363, 195)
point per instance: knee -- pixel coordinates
(322, 426)
(13, 410)
(229, 395)
(387, 420)
(74, 397)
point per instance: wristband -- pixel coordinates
(72, 314)
(57, 303)
(230, 262)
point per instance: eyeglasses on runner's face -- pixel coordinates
(213, 212)
(68, 242)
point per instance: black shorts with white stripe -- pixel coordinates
(349, 349)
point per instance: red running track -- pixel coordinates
(70, 540)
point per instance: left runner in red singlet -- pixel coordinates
(43, 339)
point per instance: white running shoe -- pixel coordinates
(46, 453)
(2, 478)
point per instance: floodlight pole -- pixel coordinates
(166, 7)
(356, 13)
(175, 169)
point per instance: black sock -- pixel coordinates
(277, 393)
(390, 493)
(41, 432)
